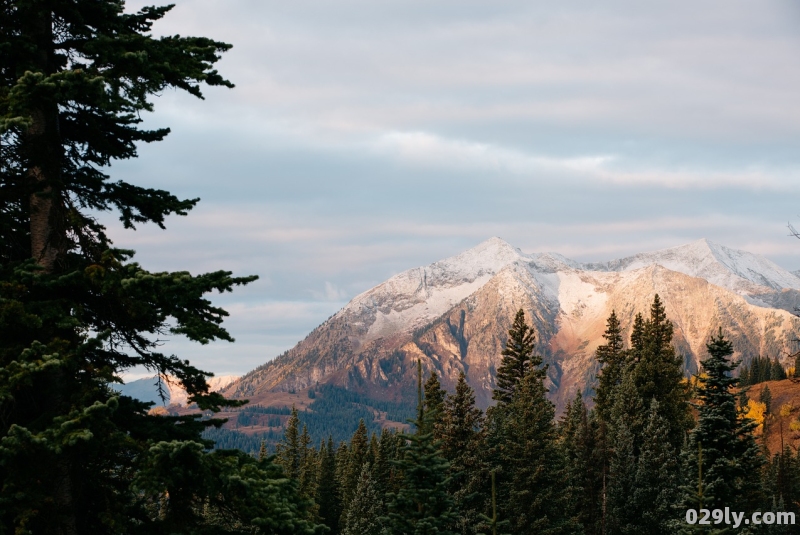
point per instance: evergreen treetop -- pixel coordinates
(518, 360)
(731, 457)
(612, 357)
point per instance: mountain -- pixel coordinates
(454, 314)
(146, 389)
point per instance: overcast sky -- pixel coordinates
(364, 138)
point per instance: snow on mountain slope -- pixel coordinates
(740, 271)
(453, 315)
(416, 296)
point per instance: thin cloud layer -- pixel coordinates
(365, 138)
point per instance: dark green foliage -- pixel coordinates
(288, 451)
(765, 397)
(366, 510)
(460, 430)
(518, 359)
(75, 313)
(655, 489)
(531, 476)
(221, 492)
(579, 438)
(612, 357)
(761, 369)
(421, 505)
(657, 372)
(433, 400)
(356, 457)
(731, 458)
(620, 518)
(327, 497)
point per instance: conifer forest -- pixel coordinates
(629, 456)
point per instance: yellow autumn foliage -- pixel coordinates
(786, 410)
(756, 411)
(794, 426)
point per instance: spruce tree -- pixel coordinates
(765, 397)
(657, 372)
(433, 401)
(327, 492)
(76, 312)
(579, 441)
(517, 359)
(460, 430)
(289, 451)
(422, 505)
(356, 457)
(533, 474)
(731, 457)
(366, 509)
(620, 517)
(655, 489)
(612, 357)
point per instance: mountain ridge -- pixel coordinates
(453, 315)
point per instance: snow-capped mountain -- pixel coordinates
(454, 314)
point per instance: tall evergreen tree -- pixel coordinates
(422, 505)
(612, 357)
(75, 313)
(532, 469)
(356, 457)
(289, 451)
(327, 492)
(620, 517)
(460, 430)
(518, 359)
(579, 440)
(366, 510)
(655, 489)
(731, 457)
(657, 372)
(433, 401)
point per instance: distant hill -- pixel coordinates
(453, 315)
(146, 389)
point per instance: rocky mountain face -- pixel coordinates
(454, 315)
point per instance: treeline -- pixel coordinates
(761, 369)
(335, 413)
(632, 464)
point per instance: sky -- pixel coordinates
(365, 138)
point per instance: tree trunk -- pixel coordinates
(42, 148)
(42, 144)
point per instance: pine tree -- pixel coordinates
(366, 510)
(433, 398)
(578, 436)
(657, 372)
(327, 495)
(460, 430)
(731, 457)
(75, 312)
(356, 457)
(655, 489)
(620, 517)
(613, 359)
(518, 360)
(307, 467)
(532, 469)
(765, 397)
(288, 452)
(422, 505)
